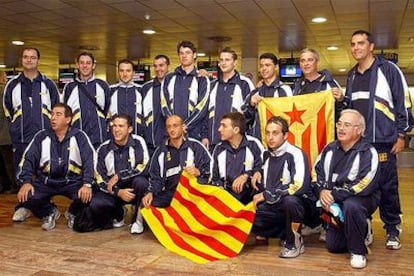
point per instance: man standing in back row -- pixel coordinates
(126, 96)
(28, 100)
(153, 119)
(186, 94)
(89, 99)
(376, 88)
(228, 94)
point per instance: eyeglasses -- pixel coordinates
(345, 125)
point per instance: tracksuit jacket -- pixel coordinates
(28, 106)
(285, 172)
(225, 97)
(133, 159)
(58, 163)
(86, 115)
(164, 178)
(389, 111)
(275, 89)
(326, 82)
(186, 95)
(229, 163)
(153, 119)
(127, 99)
(356, 178)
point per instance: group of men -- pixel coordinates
(106, 146)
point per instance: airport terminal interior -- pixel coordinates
(141, 29)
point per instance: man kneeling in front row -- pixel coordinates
(345, 179)
(122, 177)
(56, 162)
(284, 190)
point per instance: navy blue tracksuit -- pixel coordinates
(286, 188)
(229, 163)
(56, 168)
(352, 178)
(167, 164)
(130, 163)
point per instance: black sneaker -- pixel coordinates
(393, 242)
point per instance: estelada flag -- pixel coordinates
(203, 223)
(310, 117)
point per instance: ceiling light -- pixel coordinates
(2, 65)
(148, 31)
(319, 19)
(201, 54)
(18, 42)
(332, 48)
(342, 70)
(147, 16)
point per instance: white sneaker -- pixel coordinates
(49, 222)
(138, 226)
(370, 235)
(306, 230)
(70, 218)
(118, 224)
(296, 250)
(322, 235)
(358, 261)
(21, 214)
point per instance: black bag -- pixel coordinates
(86, 221)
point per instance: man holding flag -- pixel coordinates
(237, 158)
(169, 160)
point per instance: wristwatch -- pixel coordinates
(87, 185)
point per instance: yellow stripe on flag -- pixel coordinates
(199, 224)
(215, 215)
(196, 227)
(310, 117)
(159, 231)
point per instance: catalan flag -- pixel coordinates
(310, 117)
(203, 223)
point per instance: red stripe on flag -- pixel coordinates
(321, 127)
(180, 242)
(306, 144)
(209, 241)
(208, 222)
(217, 204)
(269, 114)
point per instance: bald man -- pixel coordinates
(178, 153)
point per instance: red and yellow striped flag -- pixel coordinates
(203, 223)
(310, 117)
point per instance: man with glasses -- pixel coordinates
(344, 179)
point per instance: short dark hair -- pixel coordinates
(237, 120)
(279, 121)
(370, 38)
(269, 56)
(89, 54)
(186, 44)
(34, 49)
(126, 61)
(68, 109)
(122, 116)
(167, 59)
(230, 51)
